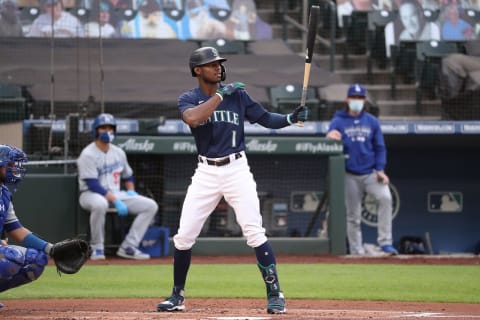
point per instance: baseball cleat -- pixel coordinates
(97, 254)
(389, 249)
(174, 303)
(276, 303)
(132, 253)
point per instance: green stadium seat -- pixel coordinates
(12, 103)
(285, 98)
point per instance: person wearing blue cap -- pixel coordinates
(366, 158)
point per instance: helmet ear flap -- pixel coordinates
(223, 75)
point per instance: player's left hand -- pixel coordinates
(70, 255)
(298, 116)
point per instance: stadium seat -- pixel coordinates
(226, 46)
(12, 103)
(285, 98)
(377, 20)
(429, 56)
(354, 27)
(28, 14)
(401, 64)
(220, 14)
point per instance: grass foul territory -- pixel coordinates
(374, 282)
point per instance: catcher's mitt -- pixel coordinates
(70, 255)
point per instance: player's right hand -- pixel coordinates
(121, 207)
(230, 88)
(298, 116)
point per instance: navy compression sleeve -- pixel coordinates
(94, 186)
(273, 120)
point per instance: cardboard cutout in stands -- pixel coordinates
(137, 19)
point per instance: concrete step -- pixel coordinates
(403, 108)
(384, 92)
(359, 75)
(349, 62)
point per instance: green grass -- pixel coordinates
(435, 283)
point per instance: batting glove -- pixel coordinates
(230, 88)
(132, 193)
(300, 114)
(122, 209)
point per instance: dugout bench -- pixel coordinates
(155, 242)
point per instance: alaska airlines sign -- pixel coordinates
(255, 145)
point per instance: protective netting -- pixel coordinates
(290, 189)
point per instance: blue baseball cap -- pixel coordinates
(356, 90)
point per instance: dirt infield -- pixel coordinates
(144, 309)
(247, 309)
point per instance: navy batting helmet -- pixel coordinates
(203, 56)
(14, 174)
(103, 119)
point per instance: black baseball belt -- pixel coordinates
(220, 161)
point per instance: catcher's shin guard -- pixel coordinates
(20, 265)
(275, 297)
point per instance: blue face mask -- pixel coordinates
(356, 105)
(106, 137)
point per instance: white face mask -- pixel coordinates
(356, 105)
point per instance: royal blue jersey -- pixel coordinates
(8, 219)
(223, 133)
(362, 140)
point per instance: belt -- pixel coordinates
(221, 161)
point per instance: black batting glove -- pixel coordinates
(230, 88)
(300, 114)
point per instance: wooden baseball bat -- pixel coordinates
(311, 34)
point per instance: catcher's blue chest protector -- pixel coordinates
(18, 265)
(4, 204)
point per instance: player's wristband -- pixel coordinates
(220, 95)
(288, 119)
(32, 241)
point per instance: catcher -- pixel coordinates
(20, 265)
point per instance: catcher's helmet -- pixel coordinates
(103, 119)
(203, 56)
(15, 174)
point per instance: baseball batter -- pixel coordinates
(215, 113)
(101, 168)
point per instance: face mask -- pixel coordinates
(355, 105)
(106, 137)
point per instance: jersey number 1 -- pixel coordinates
(234, 138)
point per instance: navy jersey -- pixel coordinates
(223, 133)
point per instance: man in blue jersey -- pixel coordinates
(216, 113)
(364, 146)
